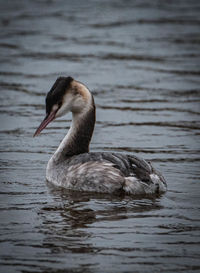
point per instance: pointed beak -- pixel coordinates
(45, 122)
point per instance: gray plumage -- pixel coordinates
(73, 167)
(106, 173)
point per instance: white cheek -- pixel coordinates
(64, 109)
(78, 104)
(71, 104)
(66, 106)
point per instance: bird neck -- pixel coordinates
(78, 138)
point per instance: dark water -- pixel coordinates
(141, 60)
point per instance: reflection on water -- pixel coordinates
(141, 60)
(70, 225)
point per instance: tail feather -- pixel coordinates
(135, 186)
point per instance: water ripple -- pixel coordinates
(140, 59)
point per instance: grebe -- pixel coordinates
(73, 167)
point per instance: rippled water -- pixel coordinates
(141, 61)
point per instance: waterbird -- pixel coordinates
(73, 167)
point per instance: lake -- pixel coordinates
(141, 61)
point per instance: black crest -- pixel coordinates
(57, 91)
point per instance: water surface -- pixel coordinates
(141, 61)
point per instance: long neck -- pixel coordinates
(79, 135)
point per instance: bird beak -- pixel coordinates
(45, 122)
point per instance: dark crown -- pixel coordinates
(57, 91)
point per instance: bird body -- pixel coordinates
(105, 173)
(73, 167)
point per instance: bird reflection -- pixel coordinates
(69, 221)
